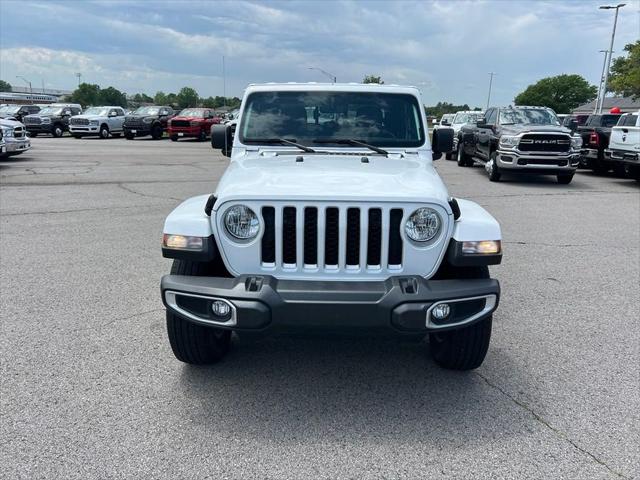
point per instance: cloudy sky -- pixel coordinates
(446, 48)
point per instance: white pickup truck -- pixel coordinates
(624, 144)
(331, 217)
(101, 121)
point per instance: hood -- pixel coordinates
(188, 119)
(528, 128)
(332, 178)
(10, 123)
(90, 117)
(139, 117)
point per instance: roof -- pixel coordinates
(625, 104)
(347, 87)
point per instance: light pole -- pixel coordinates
(604, 65)
(79, 75)
(613, 35)
(491, 74)
(331, 76)
(25, 81)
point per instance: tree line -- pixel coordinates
(89, 94)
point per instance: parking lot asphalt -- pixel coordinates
(90, 388)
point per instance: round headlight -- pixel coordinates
(423, 224)
(241, 222)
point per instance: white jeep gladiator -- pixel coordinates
(331, 217)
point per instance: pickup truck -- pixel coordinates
(624, 144)
(52, 119)
(595, 135)
(285, 243)
(461, 118)
(150, 120)
(520, 140)
(18, 112)
(192, 122)
(101, 121)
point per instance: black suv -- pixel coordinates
(151, 120)
(52, 119)
(18, 112)
(520, 140)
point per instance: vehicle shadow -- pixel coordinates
(313, 389)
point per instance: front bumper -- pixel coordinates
(398, 305)
(16, 145)
(529, 162)
(138, 130)
(41, 128)
(84, 129)
(184, 131)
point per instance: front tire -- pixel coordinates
(104, 132)
(203, 136)
(492, 168)
(57, 131)
(129, 136)
(464, 348)
(190, 342)
(156, 132)
(464, 160)
(174, 138)
(448, 155)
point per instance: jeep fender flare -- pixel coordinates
(475, 223)
(189, 218)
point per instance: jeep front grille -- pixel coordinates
(537, 142)
(332, 238)
(79, 121)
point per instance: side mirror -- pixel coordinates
(222, 138)
(573, 125)
(442, 142)
(481, 122)
(113, 114)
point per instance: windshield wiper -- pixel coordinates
(282, 141)
(349, 141)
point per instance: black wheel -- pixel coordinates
(203, 136)
(565, 179)
(57, 131)
(448, 155)
(464, 160)
(464, 348)
(190, 342)
(129, 136)
(492, 168)
(156, 131)
(174, 138)
(104, 131)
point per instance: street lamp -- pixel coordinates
(491, 74)
(604, 65)
(79, 75)
(613, 35)
(332, 77)
(25, 81)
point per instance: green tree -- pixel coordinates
(87, 94)
(372, 79)
(441, 108)
(142, 98)
(160, 98)
(562, 93)
(624, 76)
(187, 97)
(5, 86)
(172, 99)
(112, 96)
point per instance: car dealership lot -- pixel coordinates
(91, 389)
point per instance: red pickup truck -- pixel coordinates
(192, 122)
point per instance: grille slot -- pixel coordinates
(395, 241)
(289, 236)
(79, 121)
(353, 236)
(311, 236)
(374, 235)
(180, 123)
(269, 237)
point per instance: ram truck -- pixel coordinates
(595, 134)
(624, 144)
(520, 140)
(460, 120)
(192, 122)
(331, 218)
(52, 119)
(14, 138)
(101, 121)
(18, 112)
(150, 120)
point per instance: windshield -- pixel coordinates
(191, 112)
(50, 111)
(9, 109)
(309, 118)
(147, 111)
(534, 116)
(98, 111)
(467, 117)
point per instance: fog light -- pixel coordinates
(441, 311)
(182, 242)
(221, 309)
(484, 247)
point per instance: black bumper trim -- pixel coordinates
(264, 303)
